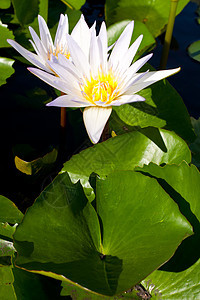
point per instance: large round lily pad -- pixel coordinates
(60, 235)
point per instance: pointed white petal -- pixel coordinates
(44, 33)
(67, 77)
(94, 54)
(128, 83)
(68, 65)
(38, 43)
(33, 58)
(62, 30)
(137, 66)
(68, 101)
(78, 57)
(130, 54)
(52, 80)
(93, 26)
(82, 34)
(103, 46)
(95, 119)
(124, 99)
(63, 73)
(150, 78)
(58, 31)
(35, 48)
(121, 46)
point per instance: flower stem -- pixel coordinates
(63, 123)
(168, 35)
(63, 117)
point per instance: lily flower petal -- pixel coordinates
(80, 38)
(78, 56)
(64, 74)
(103, 46)
(44, 47)
(68, 101)
(94, 54)
(32, 57)
(137, 65)
(38, 44)
(64, 62)
(121, 46)
(61, 31)
(52, 80)
(125, 99)
(95, 119)
(150, 78)
(130, 54)
(44, 33)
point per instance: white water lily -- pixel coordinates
(45, 48)
(100, 81)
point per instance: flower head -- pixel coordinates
(99, 81)
(45, 48)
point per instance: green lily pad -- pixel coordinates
(5, 34)
(27, 286)
(26, 11)
(179, 277)
(194, 50)
(18, 284)
(186, 183)
(154, 14)
(127, 151)
(88, 190)
(7, 230)
(60, 234)
(4, 4)
(6, 69)
(9, 212)
(78, 293)
(35, 166)
(175, 286)
(6, 285)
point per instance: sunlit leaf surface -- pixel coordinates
(179, 277)
(6, 69)
(129, 150)
(154, 14)
(72, 245)
(5, 34)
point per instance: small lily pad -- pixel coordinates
(194, 50)
(6, 69)
(33, 167)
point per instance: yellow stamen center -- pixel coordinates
(100, 90)
(59, 49)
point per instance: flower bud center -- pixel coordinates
(100, 90)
